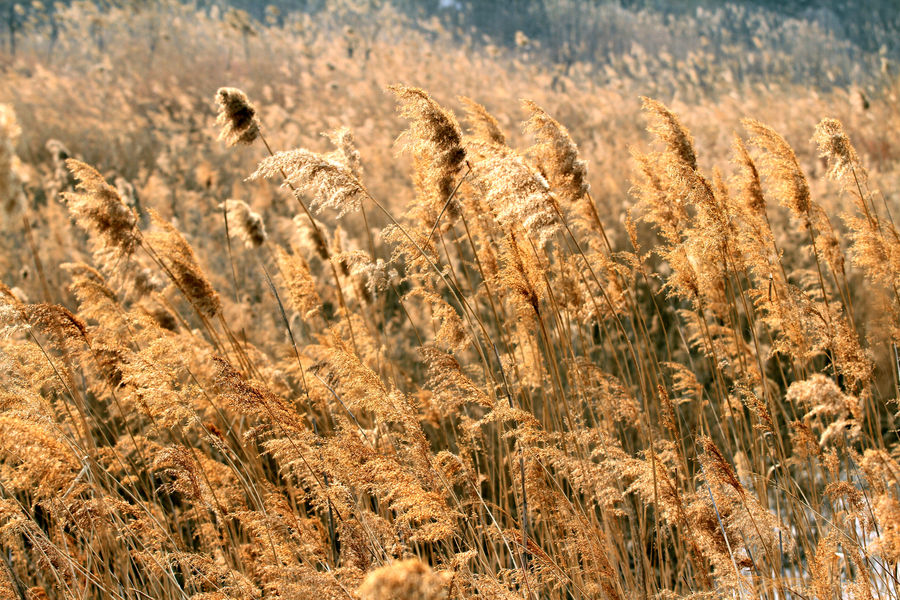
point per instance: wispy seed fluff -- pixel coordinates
(299, 282)
(181, 262)
(835, 146)
(668, 128)
(484, 126)
(346, 152)
(404, 580)
(332, 184)
(556, 153)
(236, 116)
(434, 137)
(748, 180)
(780, 164)
(518, 195)
(244, 223)
(98, 208)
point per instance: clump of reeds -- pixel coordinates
(487, 398)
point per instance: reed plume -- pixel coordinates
(299, 281)
(518, 196)
(236, 116)
(404, 580)
(346, 152)
(485, 126)
(180, 262)
(667, 127)
(99, 209)
(248, 225)
(556, 153)
(435, 141)
(780, 164)
(332, 184)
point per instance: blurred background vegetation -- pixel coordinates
(829, 43)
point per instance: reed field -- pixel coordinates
(360, 303)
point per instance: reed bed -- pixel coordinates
(583, 345)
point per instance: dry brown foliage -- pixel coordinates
(617, 351)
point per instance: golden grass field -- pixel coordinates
(364, 307)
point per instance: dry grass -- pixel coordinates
(638, 355)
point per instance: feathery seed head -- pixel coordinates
(181, 262)
(236, 116)
(484, 126)
(669, 130)
(333, 184)
(750, 187)
(248, 225)
(433, 131)
(309, 237)
(820, 395)
(556, 153)
(435, 140)
(65, 330)
(835, 146)
(346, 153)
(518, 196)
(300, 284)
(521, 275)
(780, 164)
(404, 580)
(99, 208)
(717, 467)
